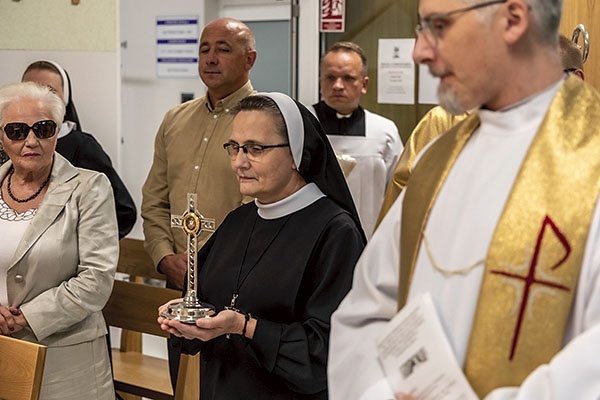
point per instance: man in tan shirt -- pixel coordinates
(189, 155)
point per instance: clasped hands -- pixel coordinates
(205, 329)
(11, 320)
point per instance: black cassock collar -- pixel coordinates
(336, 124)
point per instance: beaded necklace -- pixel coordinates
(33, 196)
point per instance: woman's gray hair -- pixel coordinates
(258, 102)
(44, 95)
(288, 120)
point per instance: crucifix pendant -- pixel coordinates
(233, 299)
(232, 307)
(193, 223)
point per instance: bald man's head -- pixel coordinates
(570, 56)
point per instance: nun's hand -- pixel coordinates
(225, 322)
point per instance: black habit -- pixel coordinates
(84, 151)
(291, 276)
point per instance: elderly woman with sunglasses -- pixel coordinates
(76, 145)
(59, 247)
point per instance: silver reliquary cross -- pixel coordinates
(193, 223)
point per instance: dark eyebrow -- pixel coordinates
(249, 142)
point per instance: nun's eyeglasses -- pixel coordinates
(253, 151)
(433, 26)
(19, 130)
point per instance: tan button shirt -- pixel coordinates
(189, 158)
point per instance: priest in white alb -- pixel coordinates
(500, 220)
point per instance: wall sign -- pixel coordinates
(395, 71)
(177, 46)
(333, 15)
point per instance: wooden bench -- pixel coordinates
(133, 307)
(21, 369)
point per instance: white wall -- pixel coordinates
(255, 10)
(147, 98)
(84, 40)
(308, 51)
(308, 35)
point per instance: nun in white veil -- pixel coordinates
(278, 267)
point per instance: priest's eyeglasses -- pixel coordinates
(253, 151)
(19, 130)
(433, 26)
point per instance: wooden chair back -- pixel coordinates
(21, 369)
(133, 307)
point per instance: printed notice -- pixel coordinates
(417, 358)
(395, 71)
(177, 46)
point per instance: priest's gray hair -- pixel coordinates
(546, 18)
(23, 91)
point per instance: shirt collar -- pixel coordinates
(304, 197)
(227, 103)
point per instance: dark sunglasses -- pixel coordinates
(19, 130)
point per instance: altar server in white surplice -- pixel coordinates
(500, 220)
(367, 145)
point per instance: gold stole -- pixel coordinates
(533, 264)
